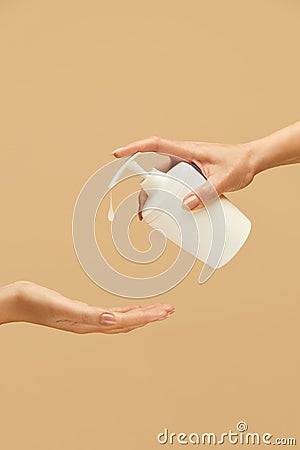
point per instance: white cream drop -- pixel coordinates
(111, 214)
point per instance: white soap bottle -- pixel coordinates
(222, 228)
(185, 176)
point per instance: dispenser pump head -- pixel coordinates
(131, 165)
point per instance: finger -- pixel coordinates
(137, 316)
(115, 319)
(169, 308)
(120, 330)
(126, 330)
(202, 195)
(85, 329)
(124, 308)
(141, 316)
(156, 144)
(123, 329)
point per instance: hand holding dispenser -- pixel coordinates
(220, 223)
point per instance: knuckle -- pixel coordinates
(155, 140)
(21, 289)
(144, 316)
(163, 314)
(193, 150)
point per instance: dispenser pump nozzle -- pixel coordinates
(135, 167)
(130, 164)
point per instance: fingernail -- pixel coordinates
(191, 201)
(107, 319)
(168, 308)
(117, 150)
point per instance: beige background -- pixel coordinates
(78, 79)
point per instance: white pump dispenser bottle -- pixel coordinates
(178, 181)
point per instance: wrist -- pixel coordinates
(8, 300)
(255, 156)
(13, 302)
(277, 149)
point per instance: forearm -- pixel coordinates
(279, 148)
(23, 301)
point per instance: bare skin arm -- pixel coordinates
(28, 302)
(228, 167)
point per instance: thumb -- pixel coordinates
(91, 315)
(204, 194)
